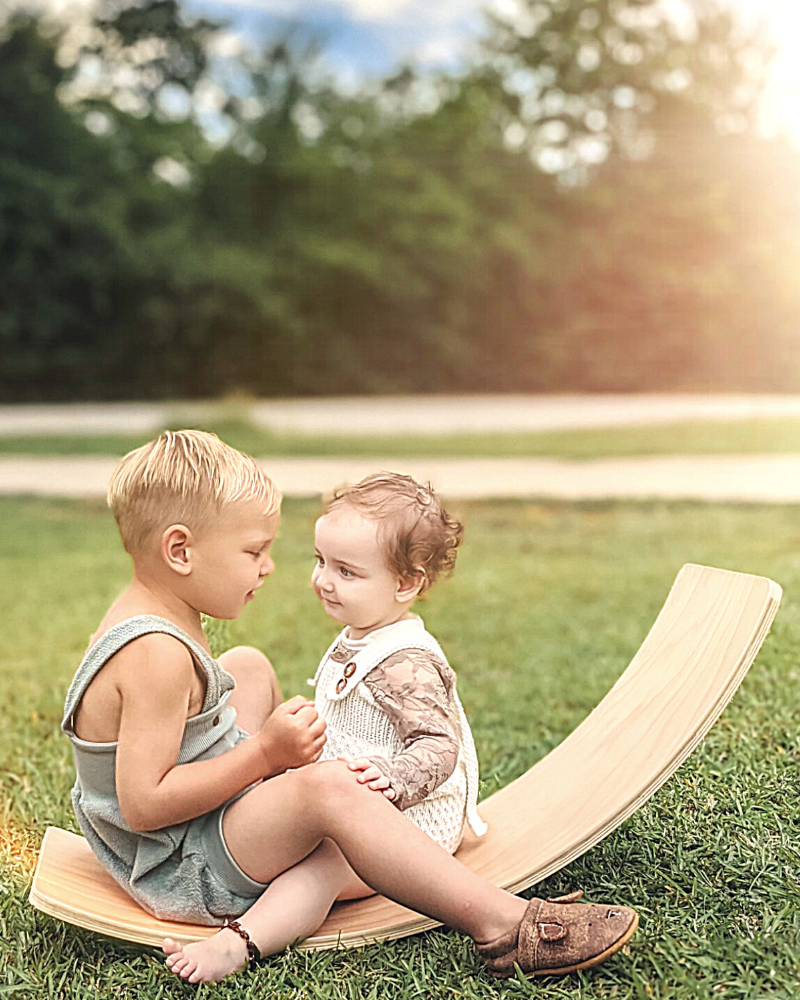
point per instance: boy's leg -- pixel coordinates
(296, 903)
(268, 828)
(292, 908)
(276, 824)
(279, 822)
(257, 691)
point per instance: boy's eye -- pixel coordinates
(345, 571)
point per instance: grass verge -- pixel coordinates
(779, 436)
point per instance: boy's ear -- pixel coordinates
(408, 587)
(176, 544)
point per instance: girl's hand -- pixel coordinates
(372, 774)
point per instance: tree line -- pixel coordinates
(589, 206)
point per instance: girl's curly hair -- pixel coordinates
(417, 534)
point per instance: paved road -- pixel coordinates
(751, 478)
(754, 478)
(367, 415)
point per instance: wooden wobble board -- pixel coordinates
(687, 670)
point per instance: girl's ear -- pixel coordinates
(176, 548)
(408, 587)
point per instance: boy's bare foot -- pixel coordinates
(207, 961)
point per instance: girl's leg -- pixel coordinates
(283, 820)
(292, 908)
(257, 691)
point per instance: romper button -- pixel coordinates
(350, 669)
(341, 684)
(215, 721)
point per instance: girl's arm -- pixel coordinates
(155, 677)
(413, 688)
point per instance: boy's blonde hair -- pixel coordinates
(183, 477)
(415, 531)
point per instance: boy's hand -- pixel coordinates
(292, 736)
(371, 773)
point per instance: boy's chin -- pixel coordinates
(222, 614)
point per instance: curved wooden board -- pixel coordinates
(688, 668)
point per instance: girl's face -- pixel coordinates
(352, 578)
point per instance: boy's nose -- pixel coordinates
(267, 567)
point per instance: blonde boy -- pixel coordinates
(171, 746)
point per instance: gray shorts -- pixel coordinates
(200, 882)
(241, 888)
(222, 863)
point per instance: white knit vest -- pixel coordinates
(357, 727)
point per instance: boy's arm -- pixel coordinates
(155, 675)
(410, 688)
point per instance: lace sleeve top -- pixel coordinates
(413, 688)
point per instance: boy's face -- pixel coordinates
(352, 578)
(230, 559)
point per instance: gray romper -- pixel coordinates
(182, 872)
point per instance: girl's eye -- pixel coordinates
(345, 571)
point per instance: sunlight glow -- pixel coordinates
(16, 850)
(782, 109)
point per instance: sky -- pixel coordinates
(369, 38)
(362, 37)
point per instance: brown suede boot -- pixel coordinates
(556, 936)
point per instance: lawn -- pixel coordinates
(695, 438)
(546, 607)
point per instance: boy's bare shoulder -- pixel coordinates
(149, 669)
(143, 666)
(154, 652)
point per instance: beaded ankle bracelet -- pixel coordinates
(253, 954)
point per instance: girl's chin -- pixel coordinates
(335, 613)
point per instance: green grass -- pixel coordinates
(547, 605)
(700, 438)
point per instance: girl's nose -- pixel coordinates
(267, 566)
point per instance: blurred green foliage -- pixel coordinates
(429, 233)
